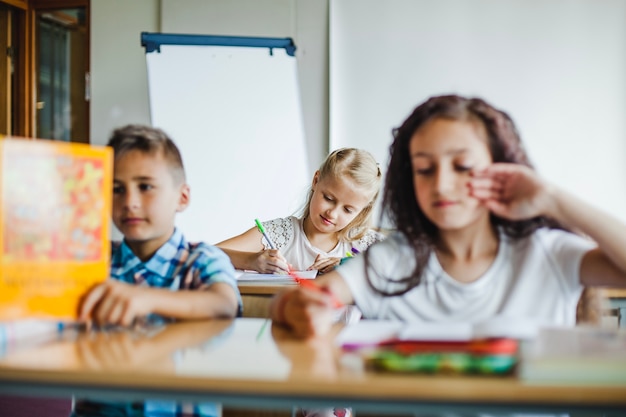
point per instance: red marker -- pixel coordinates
(307, 283)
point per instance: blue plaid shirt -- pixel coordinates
(177, 265)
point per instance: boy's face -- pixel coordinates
(146, 199)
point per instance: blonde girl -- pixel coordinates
(335, 221)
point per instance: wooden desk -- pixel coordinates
(256, 297)
(614, 292)
(249, 363)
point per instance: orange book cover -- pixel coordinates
(54, 225)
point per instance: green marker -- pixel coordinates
(262, 230)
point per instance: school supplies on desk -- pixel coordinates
(484, 348)
(250, 276)
(54, 226)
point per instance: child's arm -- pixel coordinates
(309, 312)
(116, 302)
(247, 252)
(516, 192)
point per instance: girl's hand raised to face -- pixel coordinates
(511, 191)
(271, 261)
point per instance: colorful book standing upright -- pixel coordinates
(54, 226)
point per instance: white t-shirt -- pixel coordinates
(536, 278)
(288, 236)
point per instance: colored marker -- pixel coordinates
(307, 283)
(350, 254)
(262, 230)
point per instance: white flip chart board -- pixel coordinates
(235, 113)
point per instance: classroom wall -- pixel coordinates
(119, 84)
(557, 67)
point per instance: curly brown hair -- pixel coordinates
(399, 203)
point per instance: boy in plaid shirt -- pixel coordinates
(154, 270)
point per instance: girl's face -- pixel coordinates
(443, 153)
(335, 203)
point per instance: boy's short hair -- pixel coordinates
(149, 140)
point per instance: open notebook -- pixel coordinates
(250, 276)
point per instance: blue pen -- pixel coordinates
(262, 230)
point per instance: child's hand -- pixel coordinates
(271, 261)
(511, 191)
(307, 312)
(115, 302)
(324, 265)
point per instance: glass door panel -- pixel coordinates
(62, 53)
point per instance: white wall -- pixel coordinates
(119, 84)
(557, 67)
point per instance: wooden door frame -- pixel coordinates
(6, 30)
(25, 64)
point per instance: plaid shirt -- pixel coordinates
(177, 265)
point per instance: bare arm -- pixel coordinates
(116, 302)
(606, 265)
(308, 312)
(516, 192)
(247, 252)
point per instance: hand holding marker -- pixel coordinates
(303, 282)
(259, 226)
(307, 283)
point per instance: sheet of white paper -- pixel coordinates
(255, 276)
(372, 332)
(369, 332)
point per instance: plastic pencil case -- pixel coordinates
(457, 363)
